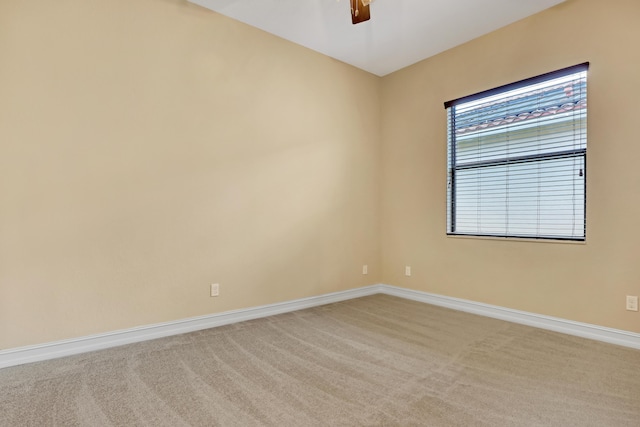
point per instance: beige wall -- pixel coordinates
(582, 282)
(150, 147)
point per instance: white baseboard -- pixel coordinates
(52, 350)
(584, 330)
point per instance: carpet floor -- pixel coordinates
(372, 361)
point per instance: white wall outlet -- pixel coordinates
(407, 270)
(632, 303)
(215, 289)
(365, 269)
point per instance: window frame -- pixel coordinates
(453, 168)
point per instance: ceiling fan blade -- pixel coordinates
(359, 12)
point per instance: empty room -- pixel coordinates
(319, 212)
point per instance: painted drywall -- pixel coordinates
(149, 148)
(583, 282)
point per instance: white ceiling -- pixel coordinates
(400, 32)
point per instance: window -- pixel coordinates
(517, 157)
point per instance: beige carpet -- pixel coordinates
(373, 361)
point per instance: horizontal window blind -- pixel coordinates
(517, 159)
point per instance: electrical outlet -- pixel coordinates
(215, 289)
(632, 303)
(407, 270)
(365, 269)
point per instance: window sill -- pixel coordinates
(518, 239)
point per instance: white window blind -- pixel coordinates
(517, 159)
